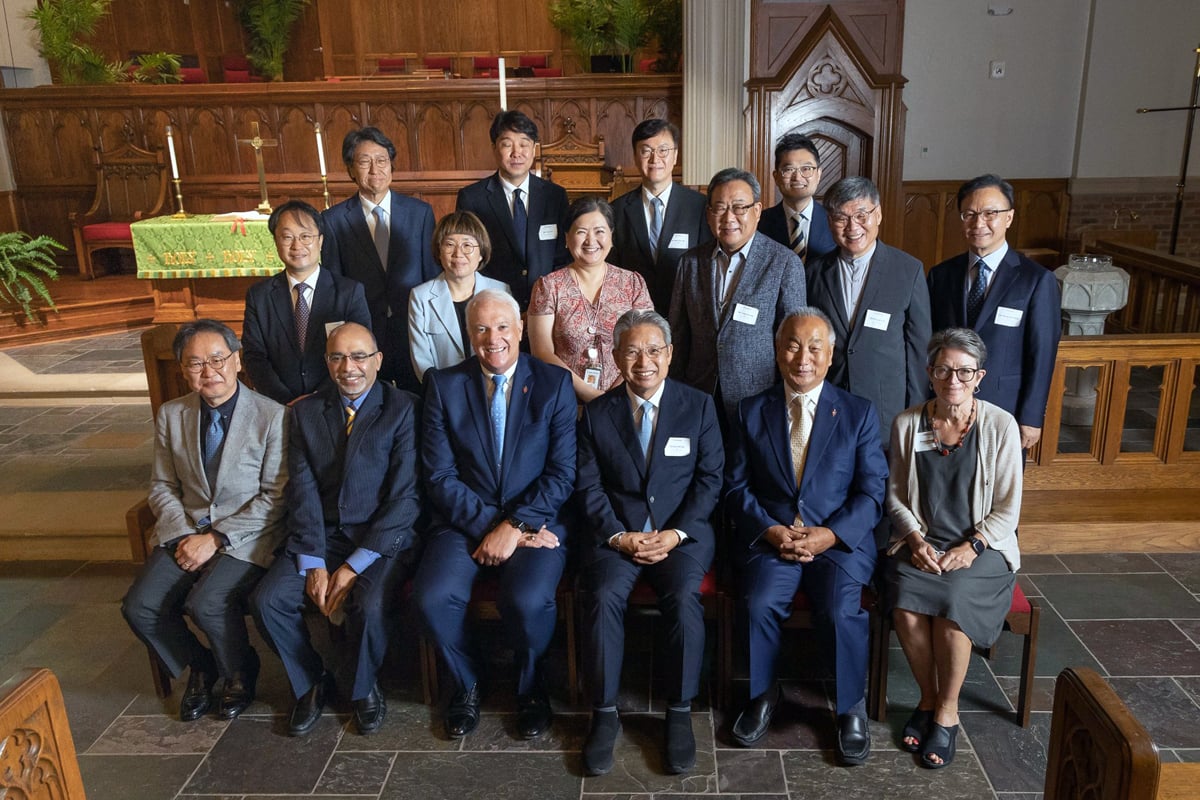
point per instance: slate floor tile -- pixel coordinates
(1139, 647)
(1128, 596)
(1166, 710)
(1058, 648)
(750, 772)
(483, 776)
(1185, 567)
(355, 773)
(1042, 564)
(143, 777)
(888, 774)
(1043, 692)
(1014, 757)
(257, 756)
(1108, 563)
(159, 736)
(408, 727)
(1190, 628)
(638, 760)
(498, 733)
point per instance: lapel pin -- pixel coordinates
(525, 390)
(833, 413)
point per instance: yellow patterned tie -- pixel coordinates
(350, 412)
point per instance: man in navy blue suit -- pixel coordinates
(352, 503)
(288, 315)
(1010, 301)
(805, 483)
(498, 450)
(524, 215)
(381, 239)
(798, 221)
(650, 473)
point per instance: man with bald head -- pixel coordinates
(352, 503)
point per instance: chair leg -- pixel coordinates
(877, 676)
(429, 676)
(160, 675)
(1028, 665)
(725, 642)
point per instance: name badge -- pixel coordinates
(591, 376)
(678, 446)
(926, 440)
(1009, 317)
(679, 241)
(746, 314)
(877, 320)
(548, 232)
(329, 326)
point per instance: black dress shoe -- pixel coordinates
(307, 710)
(533, 714)
(239, 690)
(853, 740)
(462, 715)
(369, 712)
(197, 697)
(755, 719)
(681, 742)
(601, 739)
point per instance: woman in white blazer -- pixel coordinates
(437, 309)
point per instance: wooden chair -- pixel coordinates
(131, 184)
(575, 165)
(37, 754)
(392, 66)
(534, 60)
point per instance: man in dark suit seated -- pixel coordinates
(798, 221)
(650, 473)
(805, 482)
(352, 502)
(1011, 302)
(524, 215)
(381, 239)
(499, 458)
(660, 220)
(288, 315)
(218, 519)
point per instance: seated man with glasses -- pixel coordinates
(798, 221)
(660, 220)
(288, 315)
(352, 503)
(218, 519)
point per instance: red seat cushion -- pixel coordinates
(643, 595)
(801, 602)
(547, 72)
(1020, 603)
(237, 76)
(534, 61)
(107, 232)
(193, 75)
(486, 62)
(437, 62)
(485, 73)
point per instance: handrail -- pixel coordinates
(1164, 290)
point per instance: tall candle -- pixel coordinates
(320, 151)
(171, 150)
(503, 86)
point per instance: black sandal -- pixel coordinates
(941, 743)
(916, 728)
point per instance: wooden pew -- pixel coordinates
(37, 754)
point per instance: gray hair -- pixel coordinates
(188, 330)
(731, 174)
(806, 311)
(849, 189)
(640, 316)
(964, 339)
(494, 295)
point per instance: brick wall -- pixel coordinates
(1154, 210)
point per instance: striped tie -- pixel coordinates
(350, 412)
(798, 242)
(301, 314)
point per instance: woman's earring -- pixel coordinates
(977, 388)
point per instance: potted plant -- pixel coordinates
(605, 34)
(269, 24)
(61, 24)
(25, 263)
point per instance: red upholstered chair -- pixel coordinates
(392, 66)
(131, 184)
(439, 62)
(482, 63)
(536, 61)
(646, 65)
(193, 75)
(547, 72)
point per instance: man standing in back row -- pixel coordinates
(798, 221)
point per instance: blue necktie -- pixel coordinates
(978, 292)
(499, 412)
(381, 235)
(520, 222)
(656, 223)
(645, 432)
(214, 434)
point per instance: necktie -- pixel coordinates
(977, 293)
(214, 434)
(801, 428)
(381, 235)
(499, 412)
(656, 223)
(646, 428)
(301, 314)
(799, 242)
(350, 412)
(520, 222)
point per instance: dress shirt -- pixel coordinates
(852, 288)
(993, 259)
(226, 410)
(369, 211)
(729, 267)
(509, 188)
(310, 282)
(490, 387)
(648, 206)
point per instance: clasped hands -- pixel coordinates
(328, 591)
(194, 550)
(800, 543)
(499, 544)
(927, 558)
(648, 547)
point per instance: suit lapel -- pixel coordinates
(323, 305)
(825, 421)
(281, 307)
(617, 409)
(357, 223)
(958, 286)
(1005, 277)
(367, 413)
(522, 385)
(829, 282)
(503, 214)
(244, 419)
(192, 443)
(635, 220)
(481, 415)
(442, 306)
(335, 421)
(747, 278)
(775, 424)
(872, 285)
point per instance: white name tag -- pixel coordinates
(547, 232)
(329, 326)
(679, 241)
(591, 376)
(877, 320)
(1009, 317)
(926, 440)
(678, 446)
(746, 314)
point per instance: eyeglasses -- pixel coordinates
(357, 358)
(466, 248)
(720, 209)
(988, 214)
(964, 374)
(662, 151)
(195, 365)
(805, 170)
(383, 162)
(842, 220)
(306, 239)
(653, 351)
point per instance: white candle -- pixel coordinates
(503, 86)
(171, 150)
(320, 150)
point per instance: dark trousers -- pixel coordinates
(609, 579)
(372, 615)
(213, 596)
(528, 584)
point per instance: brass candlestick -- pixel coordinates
(180, 214)
(325, 189)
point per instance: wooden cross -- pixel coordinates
(258, 143)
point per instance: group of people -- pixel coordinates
(703, 381)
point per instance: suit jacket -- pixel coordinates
(686, 217)
(619, 490)
(1021, 354)
(246, 504)
(844, 481)
(774, 223)
(364, 485)
(467, 492)
(434, 336)
(545, 206)
(881, 361)
(272, 356)
(714, 349)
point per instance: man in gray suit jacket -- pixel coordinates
(730, 295)
(219, 518)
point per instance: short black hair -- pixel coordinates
(649, 128)
(854, 187)
(795, 141)
(368, 134)
(188, 330)
(731, 174)
(296, 207)
(988, 181)
(514, 121)
(586, 205)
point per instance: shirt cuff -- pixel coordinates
(362, 558)
(305, 562)
(682, 534)
(612, 540)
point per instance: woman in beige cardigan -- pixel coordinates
(954, 496)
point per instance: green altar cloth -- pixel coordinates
(205, 246)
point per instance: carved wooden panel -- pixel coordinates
(37, 754)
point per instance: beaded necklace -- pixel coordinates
(948, 449)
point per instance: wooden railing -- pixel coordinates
(1164, 290)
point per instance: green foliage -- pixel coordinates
(269, 24)
(156, 68)
(24, 264)
(586, 22)
(666, 26)
(61, 24)
(622, 27)
(630, 25)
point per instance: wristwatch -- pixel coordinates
(977, 544)
(521, 526)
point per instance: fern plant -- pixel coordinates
(269, 24)
(25, 264)
(156, 68)
(61, 24)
